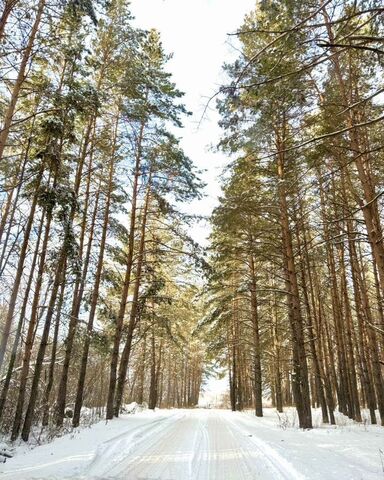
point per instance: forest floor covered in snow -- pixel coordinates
(205, 444)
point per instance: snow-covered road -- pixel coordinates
(205, 445)
(197, 445)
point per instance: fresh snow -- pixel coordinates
(204, 444)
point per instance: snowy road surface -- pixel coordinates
(205, 445)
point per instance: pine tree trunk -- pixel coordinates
(153, 380)
(9, 5)
(8, 116)
(31, 330)
(368, 205)
(75, 310)
(12, 360)
(51, 371)
(134, 308)
(140, 391)
(127, 281)
(305, 270)
(96, 287)
(59, 279)
(258, 391)
(300, 381)
(18, 275)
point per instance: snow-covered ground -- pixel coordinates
(205, 444)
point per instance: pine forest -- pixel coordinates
(108, 295)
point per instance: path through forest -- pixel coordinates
(205, 444)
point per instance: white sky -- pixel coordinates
(195, 31)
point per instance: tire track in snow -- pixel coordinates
(283, 467)
(116, 450)
(197, 467)
(195, 445)
(165, 456)
(226, 456)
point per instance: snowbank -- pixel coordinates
(67, 456)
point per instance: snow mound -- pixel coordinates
(134, 407)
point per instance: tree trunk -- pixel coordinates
(96, 286)
(4, 391)
(127, 281)
(31, 329)
(258, 390)
(300, 381)
(59, 279)
(19, 273)
(135, 303)
(75, 310)
(20, 79)
(51, 371)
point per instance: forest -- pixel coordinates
(106, 297)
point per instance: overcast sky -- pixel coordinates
(195, 32)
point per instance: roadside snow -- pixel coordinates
(205, 444)
(71, 455)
